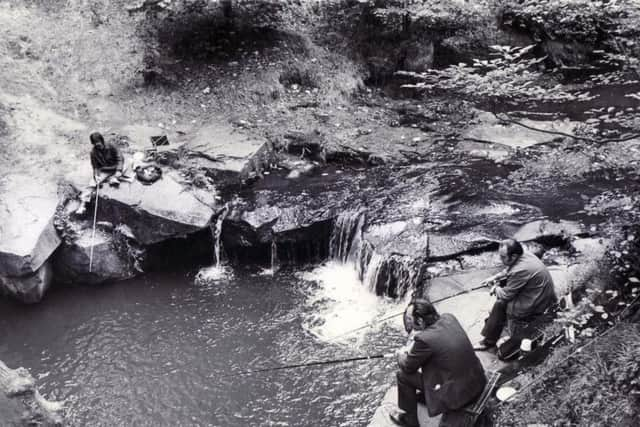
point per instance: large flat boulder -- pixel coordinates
(154, 213)
(27, 235)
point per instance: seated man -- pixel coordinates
(108, 165)
(106, 160)
(440, 364)
(527, 293)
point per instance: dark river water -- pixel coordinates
(165, 349)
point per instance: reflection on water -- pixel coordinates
(163, 350)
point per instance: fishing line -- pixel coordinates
(315, 363)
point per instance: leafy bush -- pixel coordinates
(586, 21)
(512, 75)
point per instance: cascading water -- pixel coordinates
(274, 256)
(346, 236)
(217, 270)
(217, 232)
(392, 276)
(274, 260)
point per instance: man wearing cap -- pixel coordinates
(526, 294)
(438, 364)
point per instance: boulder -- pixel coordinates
(27, 235)
(155, 212)
(110, 262)
(29, 288)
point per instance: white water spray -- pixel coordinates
(274, 261)
(339, 303)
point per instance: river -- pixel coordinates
(165, 349)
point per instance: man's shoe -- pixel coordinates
(403, 420)
(484, 345)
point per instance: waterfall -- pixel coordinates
(346, 236)
(394, 275)
(372, 272)
(216, 232)
(274, 256)
(216, 272)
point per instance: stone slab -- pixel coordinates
(226, 149)
(155, 212)
(27, 235)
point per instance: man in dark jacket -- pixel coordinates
(108, 165)
(527, 293)
(106, 160)
(440, 363)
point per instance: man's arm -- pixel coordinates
(516, 280)
(419, 353)
(496, 277)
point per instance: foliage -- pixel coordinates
(512, 75)
(586, 21)
(597, 387)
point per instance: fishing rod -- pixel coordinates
(95, 217)
(315, 363)
(351, 359)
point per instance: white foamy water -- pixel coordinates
(340, 303)
(498, 209)
(213, 274)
